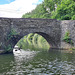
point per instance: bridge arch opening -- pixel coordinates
(34, 41)
(32, 38)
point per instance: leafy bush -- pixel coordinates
(67, 38)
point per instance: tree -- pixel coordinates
(51, 4)
(38, 12)
(65, 11)
(27, 15)
(54, 9)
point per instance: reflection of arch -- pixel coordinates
(49, 39)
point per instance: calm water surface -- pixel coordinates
(38, 63)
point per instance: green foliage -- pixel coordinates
(73, 17)
(50, 4)
(30, 37)
(33, 42)
(11, 34)
(27, 15)
(67, 38)
(38, 12)
(65, 10)
(40, 41)
(72, 48)
(54, 9)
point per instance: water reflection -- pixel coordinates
(42, 63)
(19, 62)
(6, 63)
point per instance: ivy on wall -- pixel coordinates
(12, 33)
(67, 38)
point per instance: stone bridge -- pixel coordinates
(52, 30)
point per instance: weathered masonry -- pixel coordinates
(52, 30)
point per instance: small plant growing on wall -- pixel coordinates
(11, 34)
(67, 38)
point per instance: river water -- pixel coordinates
(54, 62)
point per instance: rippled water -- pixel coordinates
(38, 63)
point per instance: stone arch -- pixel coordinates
(48, 38)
